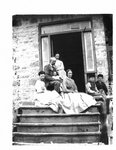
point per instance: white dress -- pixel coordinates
(76, 102)
(60, 68)
(45, 98)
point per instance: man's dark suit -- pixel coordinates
(102, 86)
(49, 80)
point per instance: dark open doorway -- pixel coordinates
(69, 46)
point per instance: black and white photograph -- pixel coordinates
(57, 74)
(62, 79)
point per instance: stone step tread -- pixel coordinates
(60, 137)
(58, 115)
(36, 144)
(93, 106)
(36, 107)
(63, 134)
(57, 124)
(24, 143)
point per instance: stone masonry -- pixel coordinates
(100, 47)
(26, 56)
(25, 60)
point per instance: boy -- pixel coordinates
(101, 85)
(91, 86)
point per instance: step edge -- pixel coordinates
(56, 124)
(25, 143)
(63, 134)
(57, 115)
(23, 107)
(49, 107)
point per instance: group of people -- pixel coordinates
(56, 89)
(96, 88)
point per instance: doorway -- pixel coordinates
(69, 46)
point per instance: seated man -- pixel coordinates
(50, 80)
(101, 86)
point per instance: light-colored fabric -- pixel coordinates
(62, 74)
(59, 65)
(43, 97)
(74, 103)
(40, 86)
(88, 88)
(60, 68)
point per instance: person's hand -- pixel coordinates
(97, 93)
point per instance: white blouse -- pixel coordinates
(40, 86)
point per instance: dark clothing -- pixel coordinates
(49, 80)
(49, 72)
(102, 86)
(93, 86)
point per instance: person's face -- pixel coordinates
(100, 79)
(69, 74)
(42, 77)
(53, 62)
(57, 56)
(92, 79)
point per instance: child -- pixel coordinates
(101, 85)
(91, 86)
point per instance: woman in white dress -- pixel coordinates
(59, 66)
(44, 97)
(74, 102)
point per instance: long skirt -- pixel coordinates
(48, 99)
(74, 103)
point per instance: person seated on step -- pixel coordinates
(93, 91)
(44, 97)
(91, 86)
(51, 82)
(101, 86)
(74, 102)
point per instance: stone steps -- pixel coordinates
(93, 108)
(43, 125)
(80, 137)
(57, 127)
(56, 118)
(48, 110)
(35, 110)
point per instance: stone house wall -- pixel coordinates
(26, 54)
(100, 47)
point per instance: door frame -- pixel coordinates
(64, 32)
